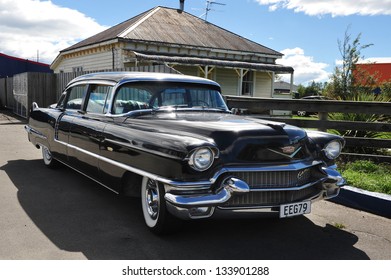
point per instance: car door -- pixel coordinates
(128, 97)
(85, 131)
(69, 106)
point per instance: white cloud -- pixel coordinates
(306, 69)
(28, 26)
(332, 7)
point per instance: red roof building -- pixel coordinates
(379, 70)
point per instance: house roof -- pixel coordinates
(169, 26)
(284, 86)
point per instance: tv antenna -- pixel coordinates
(208, 8)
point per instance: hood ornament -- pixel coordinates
(287, 151)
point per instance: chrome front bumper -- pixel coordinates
(195, 206)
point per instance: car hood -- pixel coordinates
(226, 131)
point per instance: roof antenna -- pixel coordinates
(208, 8)
(181, 6)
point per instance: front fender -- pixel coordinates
(320, 139)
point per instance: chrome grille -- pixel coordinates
(276, 179)
(270, 198)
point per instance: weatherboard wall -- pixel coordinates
(88, 62)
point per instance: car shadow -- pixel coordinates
(78, 215)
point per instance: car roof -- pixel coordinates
(120, 77)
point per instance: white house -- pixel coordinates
(177, 39)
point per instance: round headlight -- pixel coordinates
(201, 159)
(333, 149)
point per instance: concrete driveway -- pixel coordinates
(59, 214)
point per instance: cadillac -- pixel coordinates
(172, 141)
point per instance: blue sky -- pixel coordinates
(306, 31)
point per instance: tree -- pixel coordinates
(343, 84)
(386, 89)
(312, 89)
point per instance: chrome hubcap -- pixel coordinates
(152, 199)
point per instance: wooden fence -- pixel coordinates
(18, 92)
(29, 87)
(6, 96)
(260, 106)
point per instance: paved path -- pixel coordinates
(59, 214)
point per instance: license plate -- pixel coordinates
(295, 209)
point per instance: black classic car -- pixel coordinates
(171, 140)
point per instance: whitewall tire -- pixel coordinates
(48, 159)
(153, 204)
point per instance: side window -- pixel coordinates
(98, 99)
(75, 97)
(130, 98)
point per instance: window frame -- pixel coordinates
(106, 104)
(63, 101)
(248, 81)
(61, 104)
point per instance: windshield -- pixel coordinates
(166, 96)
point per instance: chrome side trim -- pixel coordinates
(31, 130)
(131, 146)
(136, 170)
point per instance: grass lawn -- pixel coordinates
(367, 175)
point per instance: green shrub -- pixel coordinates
(362, 117)
(363, 166)
(368, 175)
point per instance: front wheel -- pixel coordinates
(156, 216)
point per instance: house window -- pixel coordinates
(77, 69)
(248, 83)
